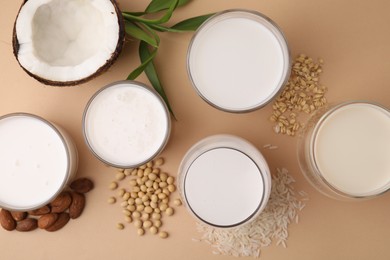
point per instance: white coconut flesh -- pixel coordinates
(66, 40)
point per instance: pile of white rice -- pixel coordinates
(271, 225)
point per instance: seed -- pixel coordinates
(145, 216)
(156, 216)
(127, 172)
(136, 189)
(162, 196)
(140, 232)
(113, 185)
(138, 201)
(162, 184)
(131, 208)
(137, 223)
(134, 172)
(126, 212)
(163, 207)
(177, 202)
(147, 224)
(111, 200)
(131, 201)
(152, 176)
(153, 205)
(120, 226)
(169, 211)
(163, 234)
(143, 167)
(140, 208)
(166, 191)
(163, 176)
(170, 180)
(148, 209)
(159, 161)
(166, 200)
(147, 171)
(157, 223)
(146, 203)
(150, 164)
(154, 198)
(136, 214)
(133, 182)
(120, 176)
(121, 192)
(156, 171)
(140, 173)
(145, 198)
(157, 210)
(153, 230)
(124, 204)
(171, 187)
(155, 185)
(133, 195)
(149, 183)
(126, 196)
(128, 219)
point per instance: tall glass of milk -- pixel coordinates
(224, 181)
(344, 150)
(37, 161)
(126, 124)
(238, 60)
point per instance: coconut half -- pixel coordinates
(67, 42)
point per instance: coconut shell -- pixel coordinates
(99, 71)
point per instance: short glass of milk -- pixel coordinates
(344, 150)
(238, 60)
(224, 181)
(126, 124)
(37, 161)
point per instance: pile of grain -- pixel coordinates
(271, 225)
(303, 93)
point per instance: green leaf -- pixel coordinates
(161, 28)
(159, 5)
(145, 62)
(151, 73)
(191, 24)
(165, 18)
(134, 13)
(135, 31)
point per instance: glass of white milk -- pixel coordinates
(37, 161)
(126, 124)
(238, 60)
(344, 150)
(224, 181)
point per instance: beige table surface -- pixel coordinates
(353, 37)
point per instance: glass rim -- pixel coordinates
(68, 162)
(129, 83)
(284, 47)
(313, 161)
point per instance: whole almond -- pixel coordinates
(6, 220)
(41, 211)
(19, 215)
(47, 220)
(27, 224)
(62, 220)
(61, 203)
(82, 185)
(77, 205)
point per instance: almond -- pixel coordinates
(62, 220)
(82, 185)
(27, 224)
(6, 220)
(61, 203)
(77, 205)
(47, 220)
(18, 215)
(41, 211)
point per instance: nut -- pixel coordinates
(61, 203)
(27, 224)
(62, 220)
(77, 205)
(47, 220)
(82, 185)
(6, 220)
(39, 212)
(19, 215)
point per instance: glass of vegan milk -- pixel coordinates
(344, 150)
(37, 161)
(238, 60)
(224, 181)
(126, 124)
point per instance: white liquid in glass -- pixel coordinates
(33, 162)
(126, 124)
(352, 149)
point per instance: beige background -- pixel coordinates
(351, 36)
